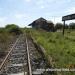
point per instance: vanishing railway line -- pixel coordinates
(24, 59)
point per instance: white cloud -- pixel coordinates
(1, 8)
(10, 0)
(44, 1)
(42, 7)
(20, 16)
(71, 10)
(56, 19)
(2, 19)
(40, 2)
(27, 0)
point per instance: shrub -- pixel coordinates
(58, 26)
(12, 28)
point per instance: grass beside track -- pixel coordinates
(60, 48)
(5, 39)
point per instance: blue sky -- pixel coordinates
(23, 12)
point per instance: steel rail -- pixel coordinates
(8, 55)
(29, 65)
(4, 62)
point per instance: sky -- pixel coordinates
(23, 12)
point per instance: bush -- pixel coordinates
(58, 26)
(72, 25)
(12, 28)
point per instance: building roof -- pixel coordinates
(38, 20)
(41, 19)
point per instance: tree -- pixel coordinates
(51, 26)
(2, 30)
(12, 28)
(72, 25)
(66, 26)
(58, 26)
(48, 25)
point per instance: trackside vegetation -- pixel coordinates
(8, 34)
(60, 48)
(12, 28)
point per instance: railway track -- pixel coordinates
(39, 64)
(16, 62)
(24, 59)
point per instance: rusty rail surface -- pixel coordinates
(4, 63)
(33, 58)
(29, 65)
(7, 56)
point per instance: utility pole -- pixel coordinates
(63, 27)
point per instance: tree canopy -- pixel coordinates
(72, 25)
(12, 28)
(58, 26)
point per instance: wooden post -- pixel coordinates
(63, 27)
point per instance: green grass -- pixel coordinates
(60, 48)
(5, 38)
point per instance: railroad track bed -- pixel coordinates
(24, 59)
(37, 60)
(9, 46)
(17, 61)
